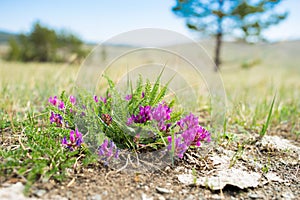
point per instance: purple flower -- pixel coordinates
(128, 97)
(56, 118)
(180, 146)
(72, 136)
(160, 114)
(103, 99)
(202, 135)
(75, 140)
(96, 99)
(53, 100)
(61, 105)
(192, 132)
(143, 116)
(108, 150)
(130, 120)
(72, 100)
(64, 141)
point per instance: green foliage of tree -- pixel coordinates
(45, 45)
(15, 51)
(240, 18)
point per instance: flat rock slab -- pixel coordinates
(280, 144)
(14, 191)
(234, 177)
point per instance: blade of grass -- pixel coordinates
(266, 125)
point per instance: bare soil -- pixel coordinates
(278, 170)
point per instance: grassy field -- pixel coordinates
(249, 90)
(251, 76)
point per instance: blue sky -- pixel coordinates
(98, 20)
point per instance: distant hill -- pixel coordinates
(239, 54)
(5, 36)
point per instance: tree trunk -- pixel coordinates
(218, 51)
(219, 36)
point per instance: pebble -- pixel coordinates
(57, 197)
(105, 193)
(216, 196)
(253, 196)
(161, 197)
(163, 190)
(96, 197)
(39, 193)
(145, 197)
(190, 197)
(15, 191)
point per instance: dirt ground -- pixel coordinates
(252, 168)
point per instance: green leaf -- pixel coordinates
(266, 125)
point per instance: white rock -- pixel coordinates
(271, 176)
(235, 177)
(145, 197)
(163, 190)
(14, 191)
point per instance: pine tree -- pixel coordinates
(247, 18)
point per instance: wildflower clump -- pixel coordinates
(141, 119)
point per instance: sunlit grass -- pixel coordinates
(26, 87)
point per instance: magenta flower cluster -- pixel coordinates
(56, 118)
(160, 114)
(103, 99)
(143, 116)
(108, 150)
(190, 134)
(75, 140)
(56, 102)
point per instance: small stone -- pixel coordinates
(145, 197)
(216, 196)
(163, 190)
(105, 193)
(97, 197)
(15, 191)
(167, 168)
(253, 196)
(69, 194)
(161, 197)
(39, 193)
(58, 197)
(179, 169)
(273, 177)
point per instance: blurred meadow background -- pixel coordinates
(252, 72)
